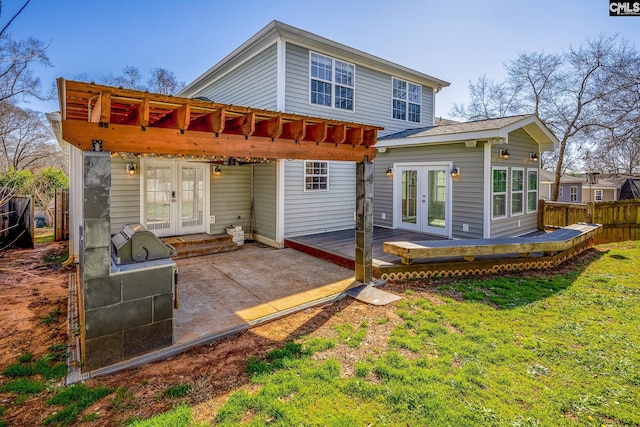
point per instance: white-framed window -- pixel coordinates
(499, 192)
(598, 195)
(517, 191)
(560, 192)
(407, 100)
(331, 82)
(316, 176)
(573, 193)
(532, 190)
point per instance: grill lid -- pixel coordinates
(134, 243)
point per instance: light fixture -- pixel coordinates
(455, 172)
(217, 171)
(389, 171)
(131, 169)
(504, 153)
(533, 157)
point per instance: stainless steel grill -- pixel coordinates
(134, 243)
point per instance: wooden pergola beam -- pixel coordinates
(241, 125)
(101, 112)
(270, 128)
(295, 130)
(155, 140)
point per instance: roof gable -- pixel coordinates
(277, 30)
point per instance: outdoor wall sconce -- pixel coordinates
(455, 172)
(217, 171)
(504, 153)
(131, 169)
(389, 171)
(533, 157)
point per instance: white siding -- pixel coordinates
(231, 198)
(319, 211)
(264, 200)
(253, 84)
(125, 194)
(520, 145)
(467, 200)
(373, 103)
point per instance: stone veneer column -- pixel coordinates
(364, 222)
(127, 312)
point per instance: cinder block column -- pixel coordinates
(364, 222)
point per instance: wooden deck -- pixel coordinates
(449, 257)
(339, 246)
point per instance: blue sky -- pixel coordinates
(456, 41)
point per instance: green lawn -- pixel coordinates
(525, 350)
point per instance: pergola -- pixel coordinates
(140, 122)
(125, 312)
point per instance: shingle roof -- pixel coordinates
(457, 127)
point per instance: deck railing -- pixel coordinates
(620, 220)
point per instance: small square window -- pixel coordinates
(316, 176)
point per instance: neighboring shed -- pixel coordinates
(630, 189)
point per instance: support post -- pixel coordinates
(364, 222)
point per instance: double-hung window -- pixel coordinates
(532, 190)
(499, 193)
(598, 195)
(332, 82)
(560, 193)
(517, 191)
(407, 99)
(316, 176)
(573, 193)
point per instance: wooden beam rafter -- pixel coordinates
(101, 112)
(241, 125)
(295, 130)
(337, 134)
(316, 132)
(270, 128)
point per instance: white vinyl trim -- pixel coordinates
(486, 229)
(281, 52)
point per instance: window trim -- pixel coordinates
(521, 192)
(537, 190)
(305, 175)
(573, 195)
(406, 101)
(505, 193)
(332, 82)
(595, 197)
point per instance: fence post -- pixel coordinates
(542, 208)
(590, 212)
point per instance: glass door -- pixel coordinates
(423, 200)
(174, 197)
(191, 206)
(160, 198)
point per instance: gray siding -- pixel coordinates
(125, 194)
(231, 198)
(467, 190)
(265, 179)
(520, 145)
(253, 84)
(373, 97)
(319, 211)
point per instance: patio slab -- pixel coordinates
(224, 291)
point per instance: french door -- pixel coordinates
(174, 195)
(423, 198)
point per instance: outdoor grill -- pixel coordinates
(134, 243)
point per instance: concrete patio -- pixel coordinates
(232, 290)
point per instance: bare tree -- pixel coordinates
(581, 95)
(131, 78)
(25, 140)
(17, 59)
(164, 81)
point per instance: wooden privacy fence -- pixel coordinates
(61, 216)
(620, 220)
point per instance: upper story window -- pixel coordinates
(407, 99)
(332, 82)
(316, 176)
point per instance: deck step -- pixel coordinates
(201, 244)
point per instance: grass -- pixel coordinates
(519, 350)
(74, 400)
(176, 391)
(177, 417)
